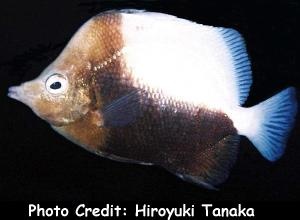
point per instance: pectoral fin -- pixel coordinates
(122, 111)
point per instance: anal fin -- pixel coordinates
(196, 180)
(214, 163)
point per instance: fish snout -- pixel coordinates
(21, 93)
(14, 92)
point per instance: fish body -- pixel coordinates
(151, 88)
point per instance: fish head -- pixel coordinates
(66, 90)
(60, 95)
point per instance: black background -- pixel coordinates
(37, 164)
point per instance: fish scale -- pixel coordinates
(153, 89)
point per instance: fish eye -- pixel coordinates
(56, 84)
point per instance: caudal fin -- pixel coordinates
(268, 124)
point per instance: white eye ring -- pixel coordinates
(56, 84)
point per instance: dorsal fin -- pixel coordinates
(242, 66)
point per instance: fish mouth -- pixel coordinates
(14, 93)
(17, 93)
(21, 94)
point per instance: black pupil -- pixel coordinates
(55, 85)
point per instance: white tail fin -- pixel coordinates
(267, 125)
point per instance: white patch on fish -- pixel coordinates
(183, 59)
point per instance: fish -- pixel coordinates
(154, 89)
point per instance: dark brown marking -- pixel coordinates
(170, 133)
(182, 141)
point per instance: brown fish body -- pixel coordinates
(110, 111)
(174, 136)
